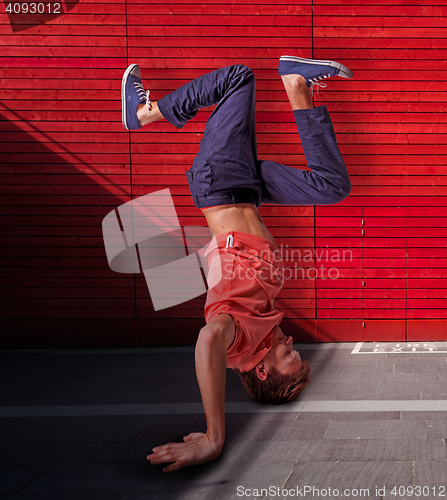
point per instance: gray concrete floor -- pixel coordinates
(79, 423)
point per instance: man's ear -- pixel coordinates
(261, 371)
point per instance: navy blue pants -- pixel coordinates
(227, 169)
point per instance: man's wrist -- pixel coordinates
(217, 439)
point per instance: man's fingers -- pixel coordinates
(194, 450)
(162, 450)
(159, 460)
(162, 456)
(163, 447)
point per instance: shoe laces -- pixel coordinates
(143, 95)
(148, 101)
(315, 82)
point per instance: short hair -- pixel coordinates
(277, 388)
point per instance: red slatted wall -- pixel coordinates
(66, 162)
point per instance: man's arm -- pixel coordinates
(211, 365)
(211, 362)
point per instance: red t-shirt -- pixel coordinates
(245, 274)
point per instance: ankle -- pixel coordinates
(145, 116)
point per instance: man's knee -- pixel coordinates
(241, 69)
(340, 192)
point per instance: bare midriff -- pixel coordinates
(243, 217)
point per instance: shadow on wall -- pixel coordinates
(58, 288)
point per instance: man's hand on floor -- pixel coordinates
(197, 449)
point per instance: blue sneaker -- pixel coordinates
(132, 94)
(313, 70)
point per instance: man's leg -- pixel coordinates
(226, 168)
(328, 181)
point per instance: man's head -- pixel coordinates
(280, 376)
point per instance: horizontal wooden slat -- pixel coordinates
(377, 10)
(204, 10)
(398, 21)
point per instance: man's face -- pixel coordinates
(282, 355)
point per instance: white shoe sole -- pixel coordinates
(344, 72)
(123, 93)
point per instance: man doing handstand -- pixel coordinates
(228, 182)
